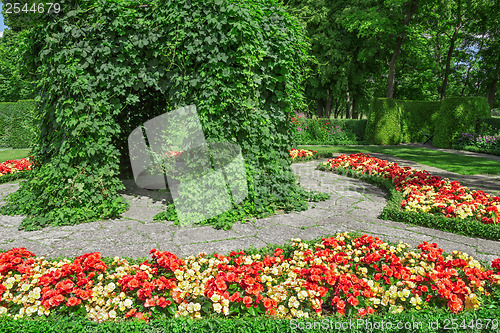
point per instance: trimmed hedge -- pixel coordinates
(357, 126)
(384, 122)
(458, 115)
(5, 116)
(494, 122)
(417, 118)
(17, 128)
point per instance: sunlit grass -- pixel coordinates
(464, 165)
(13, 154)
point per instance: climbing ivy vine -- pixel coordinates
(106, 67)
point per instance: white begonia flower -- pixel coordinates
(112, 314)
(215, 298)
(110, 287)
(217, 307)
(128, 303)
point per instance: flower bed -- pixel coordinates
(13, 166)
(295, 153)
(351, 277)
(424, 192)
(15, 169)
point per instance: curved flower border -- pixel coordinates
(355, 277)
(423, 191)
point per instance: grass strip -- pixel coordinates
(464, 165)
(13, 154)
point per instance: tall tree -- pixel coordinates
(14, 84)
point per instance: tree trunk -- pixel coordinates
(467, 76)
(329, 104)
(492, 92)
(448, 63)
(354, 108)
(348, 105)
(397, 49)
(336, 112)
(450, 50)
(321, 103)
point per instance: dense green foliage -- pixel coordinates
(384, 122)
(456, 116)
(448, 48)
(327, 131)
(15, 84)
(490, 124)
(106, 67)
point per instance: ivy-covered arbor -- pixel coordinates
(106, 67)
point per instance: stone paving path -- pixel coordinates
(354, 205)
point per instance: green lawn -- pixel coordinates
(13, 154)
(460, 164)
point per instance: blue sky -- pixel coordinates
(2, 26)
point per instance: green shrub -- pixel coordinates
(356, 126)
(322, 131)
(491, 124)
(456, 116)
(5, 122)
(384, 122)
(120, 64)
(17, 129)
(417, 119)
(23, 127)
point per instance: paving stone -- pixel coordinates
(26, 243)
(312, 233)
(10, 221)
(158, 228)
(333, 229)
(202, 234)
(245, 229)
(128, 237)
(160, 237)
(310, 216)
(53, 234)
(264, 222)
(336, 220)
(488, 246)
(485, 257)
(449, 246)
(65, 244)
(324, 204)
(87, 226)
(9, 233)
(354, 205)
(277, 234)
(111, 249)
(223, 247)
(142, 213)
